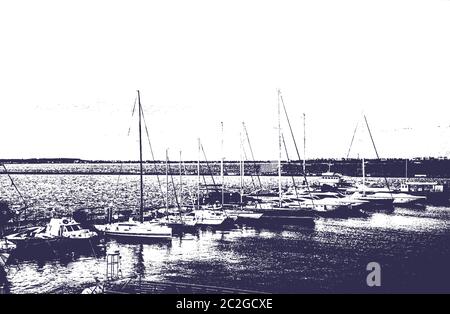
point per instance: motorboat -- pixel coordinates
(68, 230)
(57, 231)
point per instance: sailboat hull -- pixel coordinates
(136, 231)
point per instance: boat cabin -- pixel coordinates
(422, 186)
(331, 178)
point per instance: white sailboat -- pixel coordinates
(137, 229)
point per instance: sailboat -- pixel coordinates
(135, 230)
(240, 213)
(279, 210)
(176, 219)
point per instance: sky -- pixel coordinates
(69, 71)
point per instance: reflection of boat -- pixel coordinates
(137, 229)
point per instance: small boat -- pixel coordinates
(177, 220)
(405, 199)
(375, 199)
(32, 237)
(208, 217)
(243, 214)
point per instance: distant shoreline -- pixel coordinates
(395, 168)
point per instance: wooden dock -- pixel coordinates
(136, 286)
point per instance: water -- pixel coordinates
(411, 245)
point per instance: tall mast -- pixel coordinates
(198, 174)
(241, 167)
(141, 208)
(279, 150)
(406, 168)
(167, 180)
(253, 156)
(181, 180)
(304, 143)
(364, 175)
(221, 161)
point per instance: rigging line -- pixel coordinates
(173, 183)
(376, 152)
(15, 186)
(296, 149)
(353, 138)
(292, 177)
(191, 197)
(243, 168)
(132, 115)
(251, 153)
(207, 165)
(151, 152)
(121, 164)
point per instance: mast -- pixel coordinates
(406, 168)
(364, 176)
(221, 162)
(241, 167)
(304, 143)
(295, 145)
(198, 174)
(141, 207)
(253, 156)
(279, 150)
(181, 180)
(167, 181)
(376, 152)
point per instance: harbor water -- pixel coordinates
(412, 246)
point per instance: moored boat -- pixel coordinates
(137, 230)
